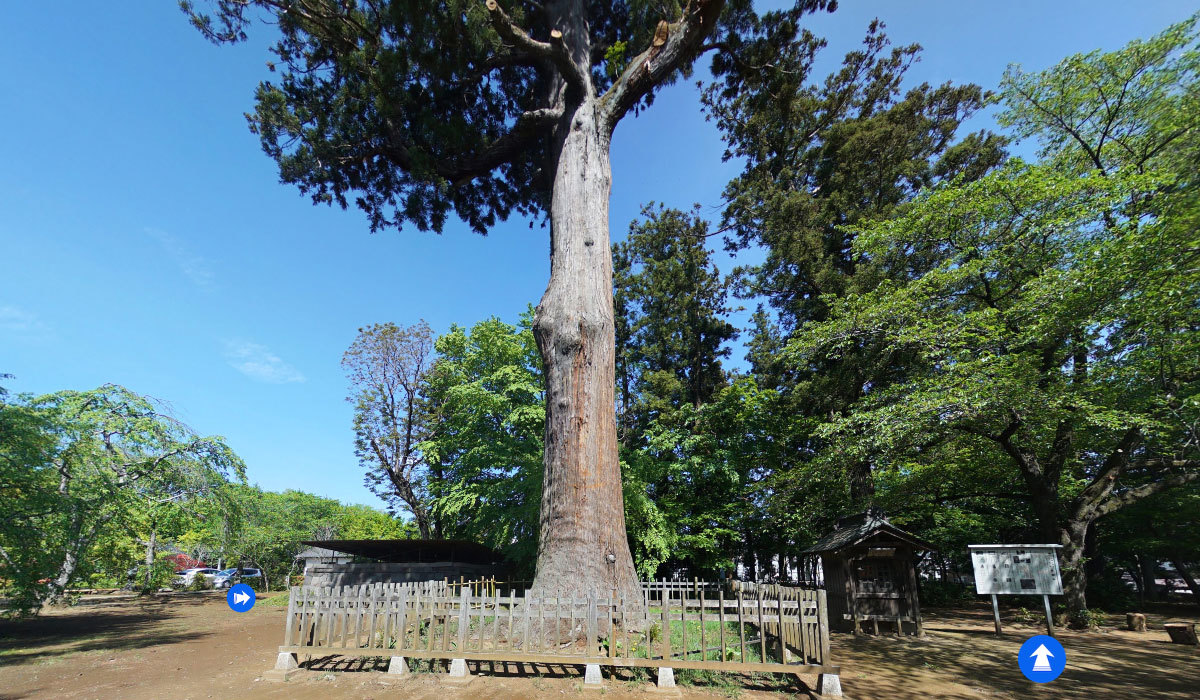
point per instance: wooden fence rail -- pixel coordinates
(701, 628)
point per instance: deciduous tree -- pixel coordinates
(97, 459)
(1056, 319)
(486, 416)
(386, 365)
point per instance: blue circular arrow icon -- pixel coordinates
(240, 597)
(1042, 658)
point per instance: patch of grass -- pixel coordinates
(732, 650)
(723, 683)
(276, 601)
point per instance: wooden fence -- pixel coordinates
(810, 601)
(755, 630)
(426, 588)
(653, 590)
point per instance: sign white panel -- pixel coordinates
(1016, 569)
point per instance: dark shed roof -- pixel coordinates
(399, 551)
(853, 529)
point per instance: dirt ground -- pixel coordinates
(193, 646)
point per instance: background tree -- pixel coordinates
(670, 306)
(1057, 321)
(486, 402)
(99, 456)
(821, 155)
(386, 365)
(265, 529)
(672, 330)
(416, 111)
(1164, 527)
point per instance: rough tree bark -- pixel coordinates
(583, 548)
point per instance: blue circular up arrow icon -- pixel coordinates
(1042, 658)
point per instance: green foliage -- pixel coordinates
(1050, 326)
(669, 301)
(941, 594)
(821, 155)
(1109, 592)
(1085, 619)
(87, 466)
(412, 111)
(358, 522)
(1025, 616)
(485, 399)
(263, 529)
(276, 601)
(160, 575)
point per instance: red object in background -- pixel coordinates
(183, 561)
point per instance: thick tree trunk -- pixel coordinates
(1148, 567)
(1072, 538)
(58, 586)
(151, 545)
(582, 547)
(1187, 578)
(78, 543)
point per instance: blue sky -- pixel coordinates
(145, 239)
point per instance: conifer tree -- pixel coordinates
(415, 111)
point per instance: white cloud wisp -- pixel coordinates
(259, 363)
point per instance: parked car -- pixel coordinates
(228, 577)
(187, 576)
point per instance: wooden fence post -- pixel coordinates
(590, 649)
(289, 621)
(666, 628)
(823, 626)
(464, 607)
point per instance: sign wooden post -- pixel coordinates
(996, 612)
(1049, 617)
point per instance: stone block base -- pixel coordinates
(829, 685)
(459, 674)
(285, 668)
(398, 666)
(666, 677)
(591, 677)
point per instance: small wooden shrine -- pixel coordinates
(869, 568)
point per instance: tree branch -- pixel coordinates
(1029, 466)
(1116, 462)
(681, 43)
(553, 52)
(12, 564)
(463, 169)
(1134, 495)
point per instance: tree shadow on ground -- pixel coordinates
(333, 663)
(1101, 664)
(49, 636)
